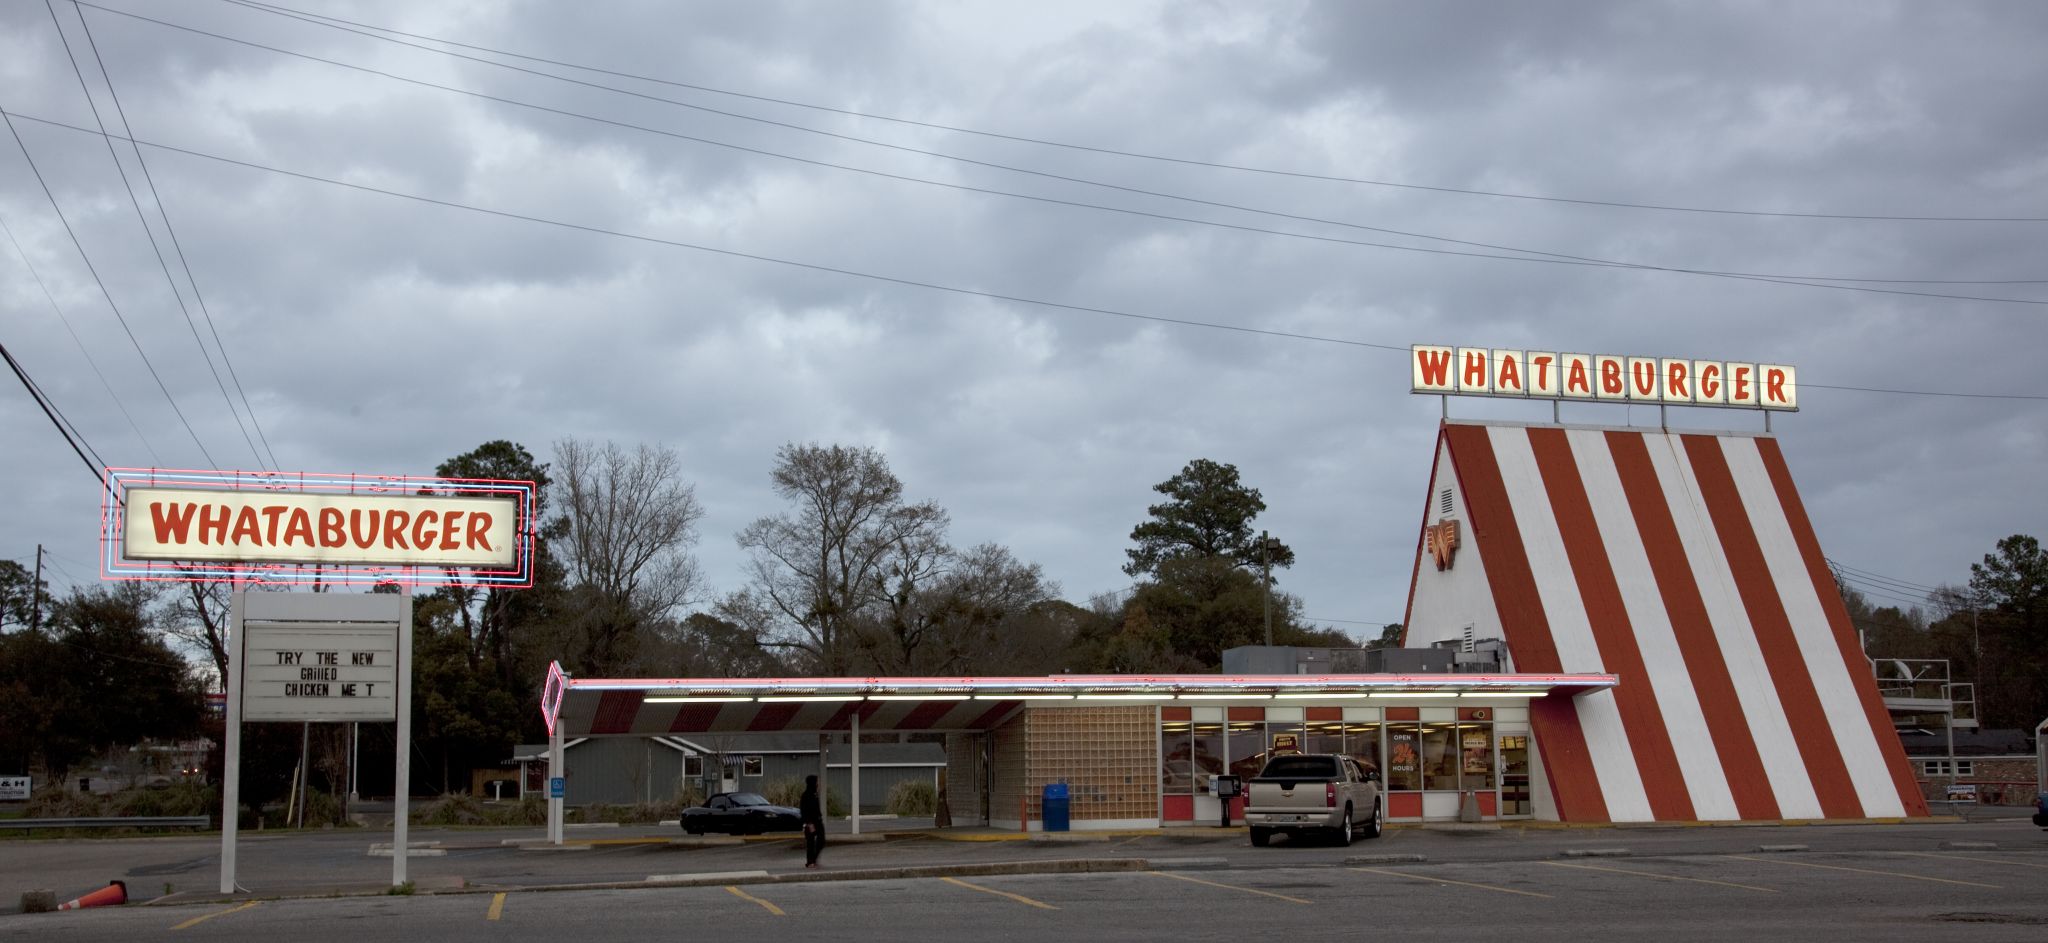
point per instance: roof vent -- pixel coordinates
(1444, 503)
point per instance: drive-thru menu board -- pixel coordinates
(309, 671)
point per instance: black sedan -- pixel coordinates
(740, 813)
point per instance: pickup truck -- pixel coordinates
(1313, 792)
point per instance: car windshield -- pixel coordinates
(1300, 767)
(749, 798)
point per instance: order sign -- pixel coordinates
(320, 672)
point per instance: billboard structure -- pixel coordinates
(305, 528)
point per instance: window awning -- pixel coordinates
(653, 706)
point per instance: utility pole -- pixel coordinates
(1266, 577)
(35, 618)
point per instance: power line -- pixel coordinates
(1218, 165)
(816, 267)
(50, 410)
(176, 246)
(1540, 255)
(89, 358)
(89, 267)
(136, 202)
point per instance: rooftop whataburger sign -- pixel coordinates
(1485, 371)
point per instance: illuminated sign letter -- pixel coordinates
(1742, 384)
(1474, 374)
(1507, 373)
(1677, 380)
(1543, 375)
(1780, 386)
(1578, 375)
(1432, 370)
(1612, 379)
(1707, 382)
(1642, 379)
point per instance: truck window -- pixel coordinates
(1301, 767)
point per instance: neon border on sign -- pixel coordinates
(1610, 378)
(113, 511)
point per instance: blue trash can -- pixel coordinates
(1055, 814)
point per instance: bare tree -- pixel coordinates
(631, 521)
(198, 618)
(821, 568)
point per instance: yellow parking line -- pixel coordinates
(1248, 890)
(497, 906)
(202, 918)
(1653, 874)
(1929, 854)
(743, 895)
(1435, 880)
(1889, 874)
(1019, 898)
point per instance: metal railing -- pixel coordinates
(119, 821)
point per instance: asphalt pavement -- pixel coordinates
(1960, 880)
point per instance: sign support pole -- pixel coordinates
(401, 794)
(231, 756)
(853, 771)
(555, 771)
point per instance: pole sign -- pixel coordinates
(320, 672)
(14, 788)
(1484, 371)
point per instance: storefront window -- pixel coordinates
(1247, 748)
(1362, 743)
(1323, 737)
(1475, 764)
(1207, 758)
(1439, 756)
(1176, 759)
(1404, 756)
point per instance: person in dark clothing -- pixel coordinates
(812, 812)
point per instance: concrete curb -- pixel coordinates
(1189, 864)
(1385, 859)
(1775, 849)
(1595, 853)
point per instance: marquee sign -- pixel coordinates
(1482, 371)
(249, 527)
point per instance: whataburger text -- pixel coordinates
(1483, 371)
(308, 527)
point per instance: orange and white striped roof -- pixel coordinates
(1685, 565)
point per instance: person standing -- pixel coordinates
(812, 811)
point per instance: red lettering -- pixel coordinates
(1710, 382)
(1542, 367)
(1474, 373)
(1576, 381)
(1741, 393)
(299, 529)
(1644, 375)
(246, 530)
(210, 527)
(1675, 385)
(361, 536)
(172, 522)
(479, 524)
(331, 534)
(1610, 377)
(451, 531)
(1774, 385)
(272, 513)
(423, 529)
(1435, 366)
(394, 530)
(1510, 377)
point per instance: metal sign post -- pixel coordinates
(317, 657)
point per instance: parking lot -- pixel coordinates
(1970, 881)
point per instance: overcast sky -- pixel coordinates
(383, 335)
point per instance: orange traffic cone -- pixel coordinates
(114, 893)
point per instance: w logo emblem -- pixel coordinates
(1440, 540)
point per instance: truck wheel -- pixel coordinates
(1260, 836)
(1344, 829)
(1374, 825)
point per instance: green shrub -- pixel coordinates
(914, 797)
(175, 799)
(451, 809)
(790, 792)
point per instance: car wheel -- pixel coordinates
(690, 828)
(1378, 822)
(1260, 836)
(1344, 828)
